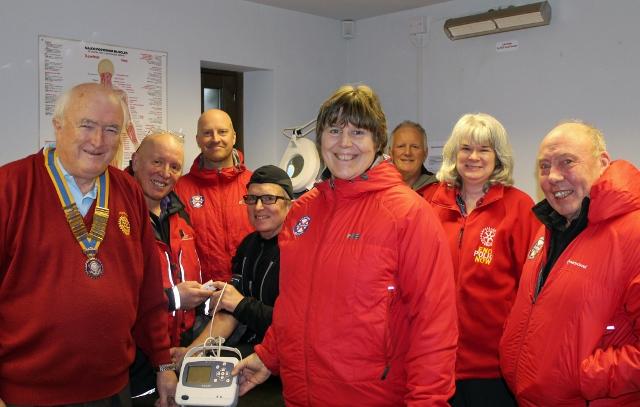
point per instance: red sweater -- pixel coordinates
(213, 200)
(366, 313)
(489, 248)
(64, 337)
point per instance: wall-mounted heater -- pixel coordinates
(501, 20)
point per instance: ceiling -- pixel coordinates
(348, 9)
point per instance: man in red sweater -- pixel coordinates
(213, 191)
(79, 280)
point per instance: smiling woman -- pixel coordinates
(490, 225)
(363, 259)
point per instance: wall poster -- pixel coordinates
(138, 76)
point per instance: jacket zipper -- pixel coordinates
(255, 266)
(263, 278)
(326, 228)
(386, 345)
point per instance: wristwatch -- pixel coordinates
(166, 367)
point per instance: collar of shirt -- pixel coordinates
(83, 201)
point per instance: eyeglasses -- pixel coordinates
(265, 199)
(177, 134)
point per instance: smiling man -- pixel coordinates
(213, 191)
(408, 152)
(572, 336)
(79, 281)
(247, 304)
(157, 166)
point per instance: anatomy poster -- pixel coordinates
(138, 76)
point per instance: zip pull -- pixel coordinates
(385, 372)
(460, 233)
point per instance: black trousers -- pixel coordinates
(482, 393)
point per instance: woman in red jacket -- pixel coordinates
(489, 224)
(366, 312)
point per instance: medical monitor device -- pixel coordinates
(206, 380)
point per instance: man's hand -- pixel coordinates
(230, 299)
(251, 373)
(177, 354)
(2, 403)
(166, 383)
(191, 294)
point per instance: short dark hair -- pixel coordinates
(358, 105)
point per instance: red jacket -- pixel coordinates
(213, 199)
(579, 339)
(179, 263)
(64, 337)
(489, 247)
(366, 313)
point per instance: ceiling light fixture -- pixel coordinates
(496, 21)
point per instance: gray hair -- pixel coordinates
(412, 125)
(176, 135)
(63, 102)
(597, 138)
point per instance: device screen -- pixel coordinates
(198, 374)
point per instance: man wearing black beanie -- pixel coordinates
(247, 306)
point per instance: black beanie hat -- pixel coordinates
(270, 174)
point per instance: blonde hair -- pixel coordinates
(482, 129)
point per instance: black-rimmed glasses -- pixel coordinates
(265, 199)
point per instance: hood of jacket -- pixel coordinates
(218, 174)
(616, 192)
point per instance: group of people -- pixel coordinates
(394, 285)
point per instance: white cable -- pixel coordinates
(219, 340)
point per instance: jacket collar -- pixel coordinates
(445, 196)
(222, 174)
(426, 177)
(381, 175)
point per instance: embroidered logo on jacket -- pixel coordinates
(486, 236)
(535, 249)
(353, 236)
(197, 201)
(484, 254)
(577, 264)
(301, 226)
(123, 223)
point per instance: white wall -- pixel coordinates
(300, 57)
(584, 65)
